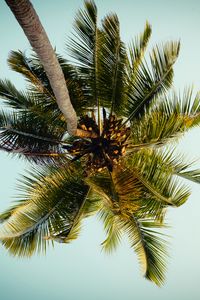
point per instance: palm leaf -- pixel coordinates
(168, 162)
(89, 207)
(113, 231)
(173, 162)
(92, 204)
(14, 98)
(169, 118)
(26, 101)
(149, 247)
(111, 68)
(137, 49)
(157, 178)
(84, 48)
(124, 192)
(193, 175)
(136, 52)
(134, 216)
(149, 84)
(29, 103)
(184, 104)
(32, 137)
(50, 207)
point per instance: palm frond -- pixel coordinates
(170, 118)
(111, 68)
(14, 98)
(168, 162)
(157, 178)
(193, 175)
(173, 162)
(50, 207)
(137, 49)
(149, 84)
(125, 192)
(25, 103)
(30, 103)
(113, 231)
(183, 103)
(149, 247)
(101, 186)
(89, 207)
(168, 192)
(168, 158)
(84, 48)
(30, 137)
(6, 215)
(92, 204)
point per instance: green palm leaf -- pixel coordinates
(173, 162)
(111, 68)
(52, 202)
(84, 48)
(136, 52)
(137, 49)
(149, 84)
(149, 246)
(169, 118)
(14, 98)
(29, 136)
(123, 191)
(158, 178)
(112, 228)
(119, 219)
(193, 175)
(29, 103)
(129, 208)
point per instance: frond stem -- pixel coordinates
(33, 135)
(154, 192)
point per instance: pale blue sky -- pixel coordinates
(80, 270)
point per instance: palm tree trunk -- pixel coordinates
(33, 29)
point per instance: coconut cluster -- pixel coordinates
(105, 150)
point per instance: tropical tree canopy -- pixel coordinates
(127, 171)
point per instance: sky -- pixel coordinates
(81, 270)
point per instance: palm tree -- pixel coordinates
(127, 171)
